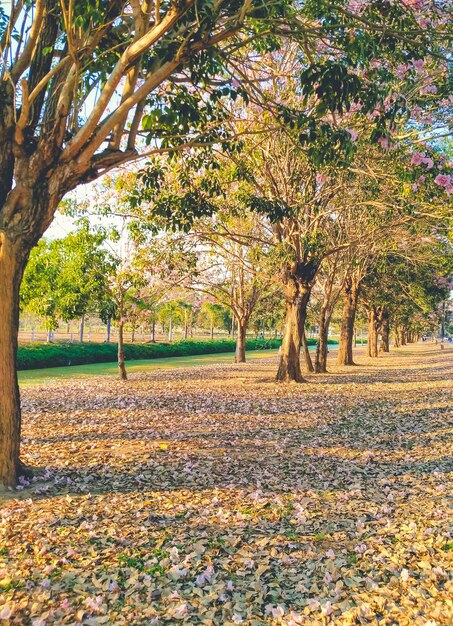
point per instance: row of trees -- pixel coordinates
(277, 104)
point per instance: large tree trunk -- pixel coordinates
(121, 360)
(350, 296)
(297, 296)
(12, 264)
(307, 357)
(372, 333)
(240, 342)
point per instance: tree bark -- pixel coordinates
(82, 328)
(109, 330)
(372, 333)
(322, 347)
(385, 334)
(153, 332)
(403, 336)
(121, 360)
(240, 341)
(12, 264)
(297, 294)
(396, 337)
(350, 296)
(307, 357)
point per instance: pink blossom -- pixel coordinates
(65, 604)
(443, 180)
(320, 179)
(355, 106)
(414, 187)
(428, 162)
(449, 188)
(401, 70)
(330, 554)
(417, 158)
(383, 142)
(416, 111)
(418, 64)
(424, 23)
(354, 134)
(421, 179)
(428, 89)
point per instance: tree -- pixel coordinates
(212, 315)
(67, 277)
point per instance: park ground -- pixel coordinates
(213, 495)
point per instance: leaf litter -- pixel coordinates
(213, 495)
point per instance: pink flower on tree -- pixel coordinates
(428, 162)
(444, 180)
(384, 142)
(401, 70)
(417, 158)
(418, 64)
(354, 134)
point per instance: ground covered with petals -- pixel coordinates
(214, 495)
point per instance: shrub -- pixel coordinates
(38, 355)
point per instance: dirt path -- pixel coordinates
(213, 495)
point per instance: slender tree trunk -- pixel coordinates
(297, 296)
(350, 296)
(133, 334)
(153, 332)
(396, 337)
(121, 360)
(307, 357)
(403, 336)
(12, 264)
(109, 330)
(49, 335)
(212, 331)
(372, 333)
(82, 328)
(170, 329)
(186, 328)
(240, 341)
(385, 334)
(322, 345)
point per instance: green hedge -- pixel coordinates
(37, 355)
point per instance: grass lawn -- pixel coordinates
(39, 376)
